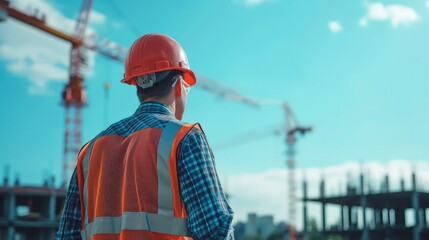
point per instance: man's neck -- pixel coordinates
(170, 105)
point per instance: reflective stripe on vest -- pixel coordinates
(85, 173)
(165, 192)
(136, 221)
(164, 221)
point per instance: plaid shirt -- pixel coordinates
(209, 214)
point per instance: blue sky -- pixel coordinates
(357, 71)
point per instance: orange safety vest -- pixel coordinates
(129, 187)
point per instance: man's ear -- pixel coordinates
(178, 89)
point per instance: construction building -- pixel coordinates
(30, 213)
(365, 214)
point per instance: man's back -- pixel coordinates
(209, 213)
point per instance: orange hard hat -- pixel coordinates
(153, 53)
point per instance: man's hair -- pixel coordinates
(159, 89)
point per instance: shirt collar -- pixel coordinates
(153, 107)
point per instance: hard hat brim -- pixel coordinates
(188, 76)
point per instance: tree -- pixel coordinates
(313, 233)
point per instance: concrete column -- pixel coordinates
(6, 176)
(52, 200)
(378, 217)
(386, 182)
(389, 233)
(322, 195)
(10, 233)
(52, 205)
(304, 186)
(363, 203)
(415, 202)
(349, 216)
(11, 205)
(343, 217)
(356, 216)
(11, 214)
(402, 185)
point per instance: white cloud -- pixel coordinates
(335, 26)
(97, 17)
(427, 4)
(396, 14)
(34, 55)
(363, 22)
(42, 61)
(265, 192)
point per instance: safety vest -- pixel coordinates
(129, 187)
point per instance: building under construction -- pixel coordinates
(365, 214)
(30, 213)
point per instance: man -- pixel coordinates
(149, 176)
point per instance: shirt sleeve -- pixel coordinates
(209, 214)
(70, 222)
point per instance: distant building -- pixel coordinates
(251, 228)
(258, 226)
(265, 225)
(239, 231)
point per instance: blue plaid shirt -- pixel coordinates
(209, 214)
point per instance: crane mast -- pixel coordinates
(74, 95)
(292, 128)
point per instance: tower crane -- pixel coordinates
(292, 128)
(74, 94)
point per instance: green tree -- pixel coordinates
(335, 237)
(313, 233)
(276, 236)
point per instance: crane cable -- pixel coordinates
(125, 20)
